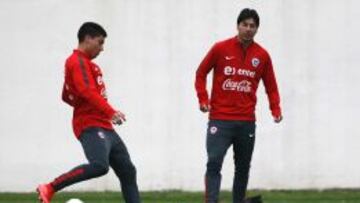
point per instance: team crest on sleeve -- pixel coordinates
(255, 62)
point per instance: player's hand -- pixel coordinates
(205, 107)
(278, 119)
(118, 118)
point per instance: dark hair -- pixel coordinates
(247, 13)
(92, 29)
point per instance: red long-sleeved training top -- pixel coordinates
(236, 75)
(85, 91)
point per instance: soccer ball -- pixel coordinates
(74, 201)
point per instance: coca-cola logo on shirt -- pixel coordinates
(241, 86)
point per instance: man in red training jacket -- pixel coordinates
(93, 116)
(238, 64)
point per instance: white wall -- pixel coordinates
(150, 58)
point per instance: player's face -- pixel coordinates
(247, 29)
(94, 45)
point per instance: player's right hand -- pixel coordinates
(118, 118)
(205, 107)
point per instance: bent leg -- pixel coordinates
(97, 148)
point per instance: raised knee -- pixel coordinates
(100, 168)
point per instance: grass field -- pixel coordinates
(328, 196)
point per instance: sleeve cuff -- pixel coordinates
(276, 113)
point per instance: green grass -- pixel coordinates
(328, 196)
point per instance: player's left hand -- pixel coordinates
(278, 119)
(118, 118)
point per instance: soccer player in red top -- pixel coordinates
(238, 64)
(93, 116)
